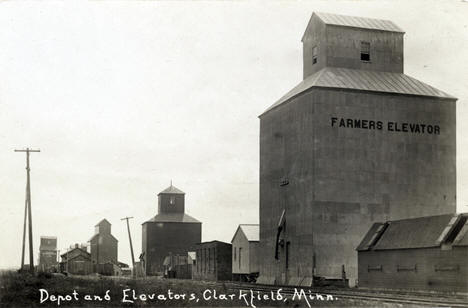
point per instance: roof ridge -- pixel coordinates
(362, 80)
(358, 22)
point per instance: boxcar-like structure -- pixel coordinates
(172, 231)
(245, 252)
(213, 261)
(427, 253)
(357, 141)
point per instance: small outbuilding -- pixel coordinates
(244, 252)
(426, 253)
(214, 261)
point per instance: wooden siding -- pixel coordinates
(162, 239)
(417, 269)
(247, 264)
(240, 254)
(214, 261)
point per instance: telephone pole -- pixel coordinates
(131, 246)
(28, 213)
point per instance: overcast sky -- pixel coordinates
(121, 97)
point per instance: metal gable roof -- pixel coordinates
(103, 221)
(251, 232)
(173, 217)
(100, 234)
(367, 241)
(372, 81)
(172, 190)
(358, 22)
(420, 232)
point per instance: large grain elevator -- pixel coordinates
(170, 232)
(357, 141)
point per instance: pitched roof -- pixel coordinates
(370, 237)
(173, 217)
(172, 190)
(251, 232)
(357, 22)
(102, 222)
(461, 239)
(421, 232)
(102, 234)
(81, 250)
(214, 242)
(372, 81)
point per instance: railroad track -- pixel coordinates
(387, 297)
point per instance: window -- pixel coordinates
(240, 254)
(365, 51)
(235, 249)
(172, 200)
(314, 55)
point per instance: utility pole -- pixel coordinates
(28, 207)
(131, 246)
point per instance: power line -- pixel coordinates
(130, 239)
(27, 212)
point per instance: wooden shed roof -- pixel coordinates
(372, 81)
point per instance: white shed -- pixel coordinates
(244, 252)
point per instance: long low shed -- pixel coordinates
(427, 253)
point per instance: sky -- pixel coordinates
(122, 97)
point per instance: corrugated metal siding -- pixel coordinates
(374, 81)
(358, 22)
